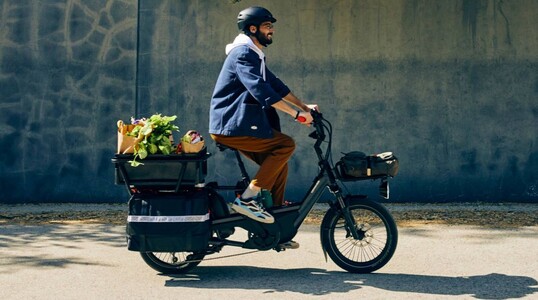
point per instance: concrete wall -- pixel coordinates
(451, 87)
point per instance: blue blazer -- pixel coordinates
(242, 100)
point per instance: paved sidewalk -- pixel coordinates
(43, 256)
(90, 261)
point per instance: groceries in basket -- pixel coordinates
(191, 142)
(127, 140)
(146, 136)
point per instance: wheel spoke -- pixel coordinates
(360, 250)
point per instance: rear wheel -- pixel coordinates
(172, 262)
(376, 242)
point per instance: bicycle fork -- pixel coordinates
(342, 206)
(315, 192)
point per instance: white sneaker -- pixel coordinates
(251, 209)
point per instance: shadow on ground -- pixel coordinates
(23, 247)
(321, 282)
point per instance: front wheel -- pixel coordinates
(377, 236)
(172, 262)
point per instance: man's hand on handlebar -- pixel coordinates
(305, 117)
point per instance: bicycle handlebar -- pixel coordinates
(322, 127)
(316, 115)
(317, 121)
(319, 133)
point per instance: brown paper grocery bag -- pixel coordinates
(126, 144)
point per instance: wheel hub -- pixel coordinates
(364, 232)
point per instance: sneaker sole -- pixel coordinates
(247, 213)
(288, 246)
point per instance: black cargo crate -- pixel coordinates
(165, 172)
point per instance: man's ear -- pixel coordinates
(252, 29)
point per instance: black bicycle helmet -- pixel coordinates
(254, 15)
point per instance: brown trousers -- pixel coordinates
(271, 155)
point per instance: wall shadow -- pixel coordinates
(321, 282)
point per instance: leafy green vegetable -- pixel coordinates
(156, 132)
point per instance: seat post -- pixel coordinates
(245, 179)
(244, 175)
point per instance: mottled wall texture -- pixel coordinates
(450, 86)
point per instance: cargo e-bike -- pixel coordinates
(357, 233)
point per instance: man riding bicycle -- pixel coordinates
(243, 115)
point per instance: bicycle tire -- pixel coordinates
(172, 262)
(377, 241)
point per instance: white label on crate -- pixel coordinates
(168, 219)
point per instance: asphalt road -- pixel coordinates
(90, 261)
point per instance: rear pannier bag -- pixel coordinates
(356, 164)
(169, 222)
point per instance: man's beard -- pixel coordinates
(264, 41)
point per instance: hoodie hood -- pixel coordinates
(243, 40)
